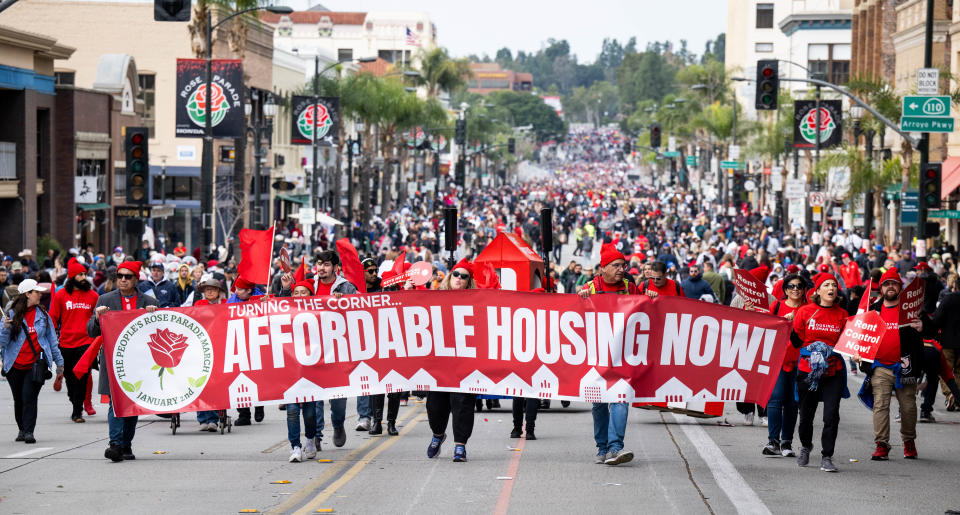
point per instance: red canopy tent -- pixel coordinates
(518, 265)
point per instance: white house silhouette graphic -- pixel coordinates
(302, 391)
(592, 386)
(363, 377)
(514, 386)
(545, 383)
(394, 382)
(476, 382)
(243, 392)
(423, 381)
(731, 387)
(674, 391)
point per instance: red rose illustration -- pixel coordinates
(167, 349)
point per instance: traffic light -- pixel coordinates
(460, 132)
(655, 135)
(171, 10)
(626, 148)
(930, 186)
(512, 146)
(461, 173)
(138, 167)
(768, 84)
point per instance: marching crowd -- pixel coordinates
(626, 239)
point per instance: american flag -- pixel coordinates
(412, 39)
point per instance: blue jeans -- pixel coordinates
(293, 422)
(338, 413)
(208, 417)
(363, 406)
(782, 408)
(609, 425)
(121, 429)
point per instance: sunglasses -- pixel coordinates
(793, 286)
(461, 275)
(126, 277)
(371, 271)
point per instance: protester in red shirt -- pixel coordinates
(782, 406)
(850, 272)
(657, 283)
(71, 309)
(822, 375)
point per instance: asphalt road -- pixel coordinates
(682, 465)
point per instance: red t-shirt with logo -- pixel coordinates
(129, 303)
(27, 356)
(70, 313)
(790, 358)
(814, 323)
(889, 351)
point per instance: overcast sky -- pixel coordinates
(472, 27)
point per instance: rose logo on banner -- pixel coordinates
(176, 351)
(323, 122)
(197, 105)
(808, 127)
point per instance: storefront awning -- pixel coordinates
(949, 177)
(93, 207)
(303, 200)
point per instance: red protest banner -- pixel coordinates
(604, 349)
(862, 335)
(911, 301)
(751, 289)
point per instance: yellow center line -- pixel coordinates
(311, 506)
(330, 472)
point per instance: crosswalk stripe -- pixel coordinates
(28, 453)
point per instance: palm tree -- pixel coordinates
(439, 72)
(237, 31)
(864, 176)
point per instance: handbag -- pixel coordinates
(40, 371)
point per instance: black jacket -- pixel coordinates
(946, 320)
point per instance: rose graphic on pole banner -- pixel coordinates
(226, 98)
(805, 123)
(324, 117)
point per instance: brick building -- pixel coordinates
(489, 77)
(872, 52)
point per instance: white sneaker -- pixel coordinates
(363, 424)
(310, 450)
(204, 427)
(763, 421)
(296, 456)
(748, 419)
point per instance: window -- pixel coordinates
(764, 16)
(96, 168)
(761, 48)
(119, 182)
(345, 54)
(8, 160)
(496, 84)
(176, 188)
(65, 78)
(148, 90)
(829, 62)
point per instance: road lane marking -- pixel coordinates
(503, 502)
(31, 451)
(311, 506)
(743, 498)
(329, 473)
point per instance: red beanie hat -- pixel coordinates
(823, 277)
(891, 275)
(133, 266)
(760, 273)
(74, 268)
(306, 284)
(609, 254)
(464, 264)
(243, 284)
(793, 269)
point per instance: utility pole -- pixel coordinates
(316, 169)
(924, 137)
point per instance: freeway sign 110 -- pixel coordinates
(935, 107)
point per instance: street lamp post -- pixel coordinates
(260, 128)
(206, 169)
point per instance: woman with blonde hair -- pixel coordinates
(441, 405)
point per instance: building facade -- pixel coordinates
(488, 77)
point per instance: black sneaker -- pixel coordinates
(826, 464)
(530, 435)
(28, 438)
(258, 414)
(19, 437)
(927, 417)
(771, 449)
(392, 428)
(786, 450)
(516, 433)
(128, 453)
(459, 453)
(435, 442)
(242, 422)
(113, 453)
(376, 428)
(804, 458)
(339, 436)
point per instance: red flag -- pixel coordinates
(350, 262)
(398, 263)
(256, 250)
(301, 273)
(864, 301)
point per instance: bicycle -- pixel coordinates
(174, 422)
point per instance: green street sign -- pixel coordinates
(926, 124)
(733, 165)
(931, 107)
(944, 213)
(671, 154)
(693, 160)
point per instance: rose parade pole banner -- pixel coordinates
(805, 123)
(226, 107)
(324, 117)
(606, 348)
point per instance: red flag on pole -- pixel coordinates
(301, 273)
(256, 250)
(398, 263)
(350, 262)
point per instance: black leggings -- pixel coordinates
(528, 405)
(76, 386)
(393, 406)
(25, 393)
(931, 369)
(829, 390)
(441, 405)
